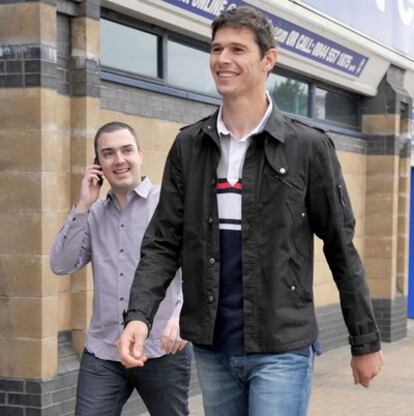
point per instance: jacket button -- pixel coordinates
(293, 288)
(210, 220)
(303, 215)
(210, 298)
(211, 260)
(282, 171)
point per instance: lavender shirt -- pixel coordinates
(111, 240)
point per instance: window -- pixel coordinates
(188, 68)
(156, 59)
(129, 49)
(289, 94)
(337, 107)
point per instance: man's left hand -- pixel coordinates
(170, 339)
(366, 367)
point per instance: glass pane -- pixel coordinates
(189, 68)
(337, 107)
(289, 94)
(128, 49)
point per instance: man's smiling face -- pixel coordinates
(120, 159)
(237, 66)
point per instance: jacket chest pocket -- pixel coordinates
(277, 187)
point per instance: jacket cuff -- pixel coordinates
(365, 344)
(135, 315)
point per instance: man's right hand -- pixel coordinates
(90, 188)
(131, 344)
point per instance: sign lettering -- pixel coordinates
(290, 36)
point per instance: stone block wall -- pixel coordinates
(387, 202)
(53, 100)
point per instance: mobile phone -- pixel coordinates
(100, 180)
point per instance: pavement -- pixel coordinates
(334, 393)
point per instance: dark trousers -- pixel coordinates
(104, 386)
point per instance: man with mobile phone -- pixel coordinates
(108, 233)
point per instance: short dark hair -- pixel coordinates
(251, 18)
(111, 128)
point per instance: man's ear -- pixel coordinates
(270, 59)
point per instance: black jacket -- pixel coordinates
(292, 189)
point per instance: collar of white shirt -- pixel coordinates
(223, 130)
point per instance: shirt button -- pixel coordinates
(303, 215)
(122, 250)
(210, 298)
(282, 170)
(211, 260)
(293, 288)
(121, 274)
(121, 298)
(122, 225)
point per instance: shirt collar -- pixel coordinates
(223, 130)
(142, 189)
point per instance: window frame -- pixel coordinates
(280, 70)
(156, 84)
(338, 91)
(190, 43)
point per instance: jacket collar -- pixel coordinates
(275, 125)
(209, 127)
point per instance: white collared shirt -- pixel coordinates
(229, 171)
(233, 150)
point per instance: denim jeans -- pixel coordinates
(104, 386)
(254, 384)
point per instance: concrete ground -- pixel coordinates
(334, 394)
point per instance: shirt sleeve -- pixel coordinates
(72, 247)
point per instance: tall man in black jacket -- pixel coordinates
(244, 191)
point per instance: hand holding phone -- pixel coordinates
(101, 179)
(90, 187)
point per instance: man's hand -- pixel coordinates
(170, 339)
(366, 367)
(131, 344)
(90, 188)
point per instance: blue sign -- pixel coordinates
(390, 21)
(290, 36)
(209, 9)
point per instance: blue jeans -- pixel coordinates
(254, 384)
(104, 386)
